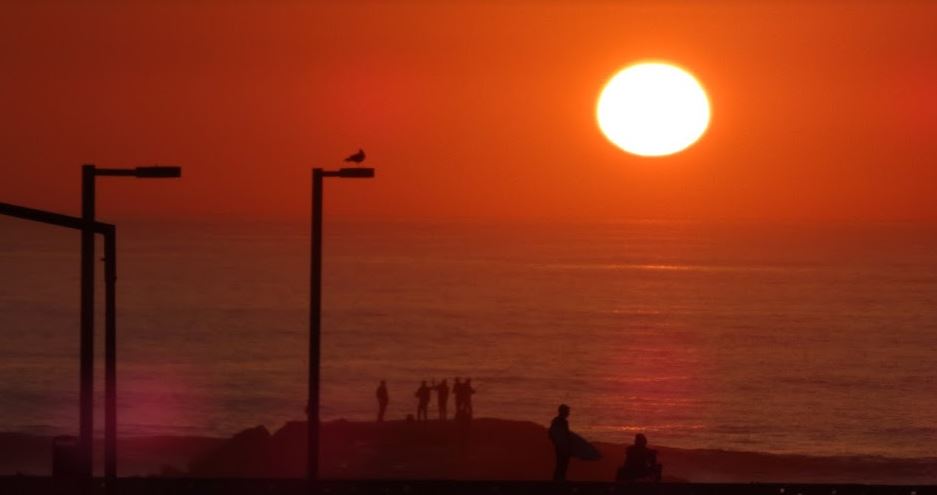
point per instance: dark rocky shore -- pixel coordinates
(488, 449)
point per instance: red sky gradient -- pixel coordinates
(469, 110)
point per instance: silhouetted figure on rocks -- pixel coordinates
(459, 396)
(467, 400)
(559, 435)
(382, 400)
(442, 397)
(423, 395)
(640, 462)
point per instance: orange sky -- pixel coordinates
(469, 110)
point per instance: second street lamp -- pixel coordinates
(315, 310)
(86, 414)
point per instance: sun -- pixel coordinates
(653, 109)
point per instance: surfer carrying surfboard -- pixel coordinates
(559, 435)
(568, 444)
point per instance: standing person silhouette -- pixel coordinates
(423, 395)
(467, 392)
(382, 400)
(442, 397)
(459, 397)
(559, 435)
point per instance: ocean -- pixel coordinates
(781, 338)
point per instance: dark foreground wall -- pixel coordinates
(15, 485)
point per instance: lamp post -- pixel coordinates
(315, 310)
(86, 417)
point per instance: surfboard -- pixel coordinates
(580, 448)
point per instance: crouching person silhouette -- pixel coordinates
(640, 462)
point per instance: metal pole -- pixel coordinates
(110, 357)
(315, 312)
(86, 391)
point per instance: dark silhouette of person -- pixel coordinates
(640, 462)
(459, 396)
(382, 400)
(467, 392)
(423, 395)
(442, 398)
(559, 435)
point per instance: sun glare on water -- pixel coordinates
(653, 109)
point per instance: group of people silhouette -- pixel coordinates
(462, 391)
(640, 461)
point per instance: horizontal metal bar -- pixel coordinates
(150, 172)
(52, 218)
(110, 172)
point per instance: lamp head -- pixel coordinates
(356, 173)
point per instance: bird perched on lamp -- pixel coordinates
(357, 158)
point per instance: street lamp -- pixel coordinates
(86, 416)
(315, 309)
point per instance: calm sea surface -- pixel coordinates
(815, 340)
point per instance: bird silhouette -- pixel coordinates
(357, 158)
